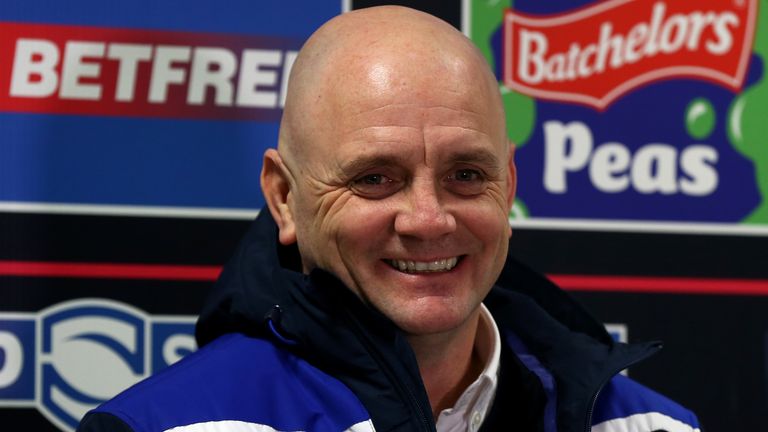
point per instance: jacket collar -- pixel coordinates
(261, 293)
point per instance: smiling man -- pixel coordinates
(394, 174)
(376, 293)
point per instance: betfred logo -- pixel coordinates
(145, 73)
(593, 55)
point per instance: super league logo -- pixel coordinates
(70, 357)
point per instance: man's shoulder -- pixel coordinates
(218, 369)
(234, 378)
(625, 404)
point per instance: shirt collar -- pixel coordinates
(473, 406)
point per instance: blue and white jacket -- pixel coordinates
(283, 351)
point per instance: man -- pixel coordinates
(356, 302)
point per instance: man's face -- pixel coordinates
(404, 194)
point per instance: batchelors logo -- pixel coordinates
(596, 54)
(70, 357)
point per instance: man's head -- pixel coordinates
(394, 171)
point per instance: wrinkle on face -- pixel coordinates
(391, 114)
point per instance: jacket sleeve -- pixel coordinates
(102, 422)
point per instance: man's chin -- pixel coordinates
(431, 321)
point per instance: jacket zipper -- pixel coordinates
(593, 401)
(402, 387)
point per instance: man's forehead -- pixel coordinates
(373, 120)
(417, 119)
(412, 71)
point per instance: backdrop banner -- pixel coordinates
(144, 104)
(131, 139)
(633, 114)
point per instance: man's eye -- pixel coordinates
(466, 181)
(374, 186)
(373, 179)
(467, 175)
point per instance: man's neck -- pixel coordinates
(448, 363)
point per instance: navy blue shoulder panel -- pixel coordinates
(623, 397)
(240, 378)
(102, 422)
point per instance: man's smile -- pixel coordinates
(432, 266)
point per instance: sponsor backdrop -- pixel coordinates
(130, 144)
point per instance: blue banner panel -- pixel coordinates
(164, 104)
(633, 114)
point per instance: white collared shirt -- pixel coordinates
(473, 406)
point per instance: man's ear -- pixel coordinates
(276, 186)
(512, 177)
(511, 181)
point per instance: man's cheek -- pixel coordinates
(485, 212)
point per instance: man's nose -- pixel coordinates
(423, 214)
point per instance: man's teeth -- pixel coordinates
(421, 266)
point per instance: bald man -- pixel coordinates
(376, 293)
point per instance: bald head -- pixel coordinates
(377, 56)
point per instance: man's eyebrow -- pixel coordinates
(483, 157)
(362, 163)
(480, 157)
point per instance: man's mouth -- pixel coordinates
(409, 266)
